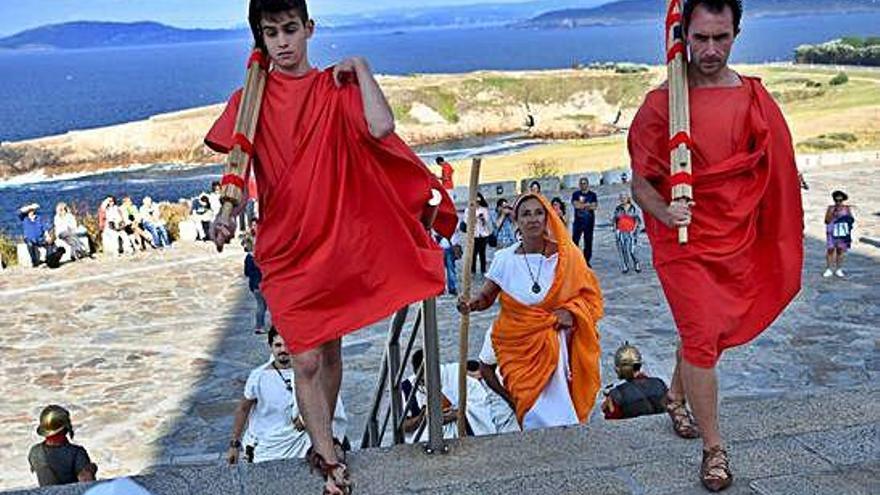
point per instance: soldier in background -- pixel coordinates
(55, 460)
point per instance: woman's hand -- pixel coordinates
(564, 319)
(463, 306)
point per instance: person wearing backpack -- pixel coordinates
(838, 234)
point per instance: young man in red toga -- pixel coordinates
(344, 206)
(742, 264)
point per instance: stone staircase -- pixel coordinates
(798, 444)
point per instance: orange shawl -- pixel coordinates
(525, 337)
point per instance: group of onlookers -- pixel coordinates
(62, 235)
(496, 228)
(123, 227)
(126, 228)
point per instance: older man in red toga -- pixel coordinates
(344, 206)
(743, 263)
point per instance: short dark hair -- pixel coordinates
(839, 194)
(716, 6)
(273, 332)
(258, 8)
(439, 160)
(535, 183)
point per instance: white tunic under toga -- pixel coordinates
(510, 272)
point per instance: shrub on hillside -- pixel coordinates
(543, 168)
(173, 214)
(8, 251)
(840, 79)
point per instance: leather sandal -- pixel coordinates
(336, 478)
(683, 422)
(715, 471)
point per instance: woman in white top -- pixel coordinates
(545, 336)
(482, 232)
(67, 230)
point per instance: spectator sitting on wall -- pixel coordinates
(112, 225)
(203, 215)
(134, 224)
(153, 223)
(36, 233)
(68, 231)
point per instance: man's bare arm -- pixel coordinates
(380, 118)
(491, 379)
(242, 412)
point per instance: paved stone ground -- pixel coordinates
(151, 352)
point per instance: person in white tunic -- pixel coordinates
(479, 412)
(545, 336)
(275, 429)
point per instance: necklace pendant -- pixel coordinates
(536, 288)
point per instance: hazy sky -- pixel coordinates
(18, 15)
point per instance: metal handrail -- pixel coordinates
(391, 375)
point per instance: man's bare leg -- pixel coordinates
(312, 401)
(701, 388)
(331, 373)
(676, 387)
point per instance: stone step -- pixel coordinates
(779, 445)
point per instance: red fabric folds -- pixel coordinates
(340, 243)
(742, 265)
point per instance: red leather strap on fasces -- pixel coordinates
(681, 178)
(233, 180)
(258, 57)
(677, 48)
(673, 14)
(244, 143)
(678, 139)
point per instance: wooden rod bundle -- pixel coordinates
(679, 110)
(465, 292)
(243, 135)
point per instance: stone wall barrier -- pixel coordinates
(548, 184)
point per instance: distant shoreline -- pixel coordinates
(568, 104)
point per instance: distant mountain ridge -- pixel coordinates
(94, 34)
(623, 11)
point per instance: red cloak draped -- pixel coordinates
(742, 265)
(340, 242)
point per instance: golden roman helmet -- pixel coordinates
(53, 420)
(627, 361)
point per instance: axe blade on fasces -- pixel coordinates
(681, 172)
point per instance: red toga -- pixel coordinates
(742, 264)
(340, 242)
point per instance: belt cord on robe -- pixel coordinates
(464, 326)
(679, 111)
(240, 155)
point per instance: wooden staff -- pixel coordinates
(246, 119)
(681, 176)
(466, 292)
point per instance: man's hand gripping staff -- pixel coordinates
(239, 157)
